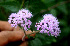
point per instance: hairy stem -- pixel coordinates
(24, 34)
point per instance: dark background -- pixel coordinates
(59, 8)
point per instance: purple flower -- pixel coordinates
(21, 18)
(49, 25)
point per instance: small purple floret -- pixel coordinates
(21, 18)
(49, 25)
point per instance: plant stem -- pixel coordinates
(28, 34)
(24, 34)
(34, 32)
(22, 4)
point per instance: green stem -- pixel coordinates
(22, 4)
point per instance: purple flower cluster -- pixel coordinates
(21, 18)
(49, 25)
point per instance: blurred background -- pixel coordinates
(59, 8)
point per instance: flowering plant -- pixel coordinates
(48, 25)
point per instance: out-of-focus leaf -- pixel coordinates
(53, 39)
(47, 1)
(12, 6)
(53, 11)
(45, 39)
(40, 36)
(63, 9)
(63, 23)
(35, 6)
(2, 17)
(9, 0)
(66, 31)
(1, 0)
(35, 42)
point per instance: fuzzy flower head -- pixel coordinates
(21, 18)
(49, 25)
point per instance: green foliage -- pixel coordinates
(63, 9)
(2, 17)
(38, 9)
(13, 6)
(35, 42)
(53, 11)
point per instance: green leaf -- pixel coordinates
(35, 6)
(12, 6)
(1, 0)
(63, 9)
(47, 1)
(3, 17)
(53, 39)
(66, 31)
(53, 11)
(45, 39)
(35, 42)
(9, 0)
(40, 36)
(63, 23)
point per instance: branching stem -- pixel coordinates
(23, 38)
